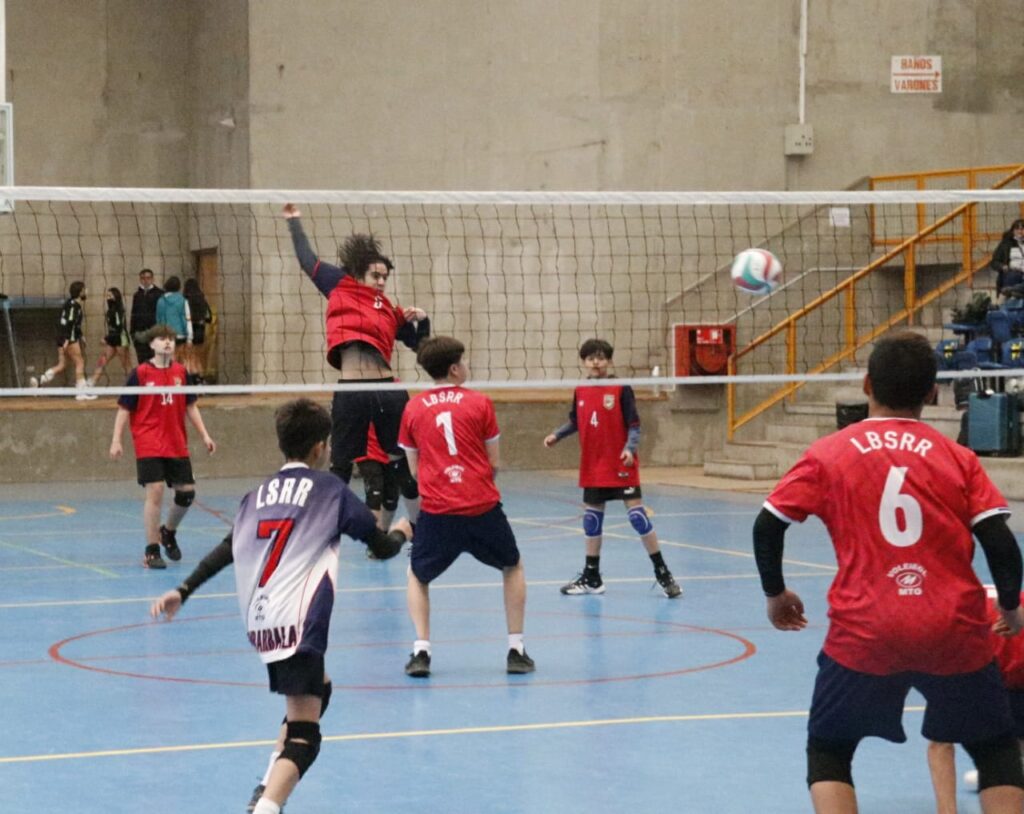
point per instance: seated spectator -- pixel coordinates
(1008, 261)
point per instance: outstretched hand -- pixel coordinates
(167, 605)
(551, 440)
(786, 611)
(290, 211)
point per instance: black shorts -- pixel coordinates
(603, 494)
(1017, 709)
(352, 412)
(301, 674)
(172, 471)
(961, 708)
(115, 341)
(441, 538)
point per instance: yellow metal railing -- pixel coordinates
(965, 178)
(962, 220)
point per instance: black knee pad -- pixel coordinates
(325, 699)
(342, 470)
(302, 744)
(997, 761)
(183, 498)
(830, 761)
(406, 482)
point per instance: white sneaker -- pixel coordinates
(971, 780)
(85, 397)
(33, 381)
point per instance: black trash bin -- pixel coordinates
(850, 413)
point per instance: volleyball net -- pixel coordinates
(521, 278)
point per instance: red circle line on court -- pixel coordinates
(748, 650)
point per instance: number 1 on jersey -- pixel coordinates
(280, 531)
(444, 421)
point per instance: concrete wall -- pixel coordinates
(484, 94)
(52, 440)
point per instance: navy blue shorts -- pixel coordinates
(1017, 708)
(441, 538)
(960, 708)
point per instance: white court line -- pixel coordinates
(424, 733)
(67, 603)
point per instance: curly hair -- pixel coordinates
(359, 252)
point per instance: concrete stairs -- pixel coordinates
(790, 429)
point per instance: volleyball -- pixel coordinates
(756, 271)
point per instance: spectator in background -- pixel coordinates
(172, 310)
(115, 340)
(144, 313)
(195, 361)
(1008, 261)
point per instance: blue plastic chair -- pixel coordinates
(1013, 353)
(945, 353)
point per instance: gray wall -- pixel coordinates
(486, 94)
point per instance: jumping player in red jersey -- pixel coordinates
(383, 485)
(362, 326)
(900, 502)
(451, 435)
(161, 445)
(609, 427)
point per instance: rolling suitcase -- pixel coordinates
(993, 424)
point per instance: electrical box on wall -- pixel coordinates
(799, 139)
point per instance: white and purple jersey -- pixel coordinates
(285, 548)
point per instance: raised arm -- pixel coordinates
(324, 275)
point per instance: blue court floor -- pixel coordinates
(639, 703)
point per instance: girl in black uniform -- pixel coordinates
(69, 341)
(116, 340)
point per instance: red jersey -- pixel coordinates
(603, 415)
(359, 313)
(448, 427)
(158, 421)
(374, 451)
(899, 500)
(1009, 649)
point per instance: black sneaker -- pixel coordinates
(256, 794)
(152, 557)
(668, 584)
(169, 540)
(518, 663)
(418, 665)
(584, 584)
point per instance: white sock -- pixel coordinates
(270, 767)
(47, 376)
(265, 806)
(421, 646)
(515, 642)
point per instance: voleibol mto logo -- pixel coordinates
(909, 578)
